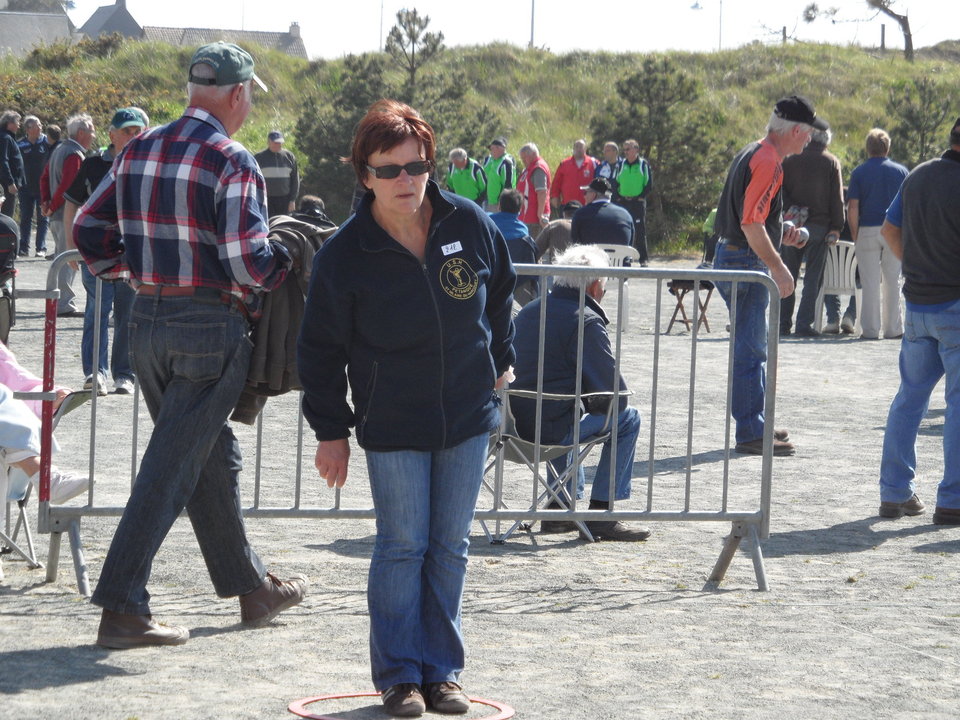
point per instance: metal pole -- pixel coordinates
(720, 31)
(533, 5)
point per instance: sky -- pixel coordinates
(334, 28)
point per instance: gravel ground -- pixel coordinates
(861, 618)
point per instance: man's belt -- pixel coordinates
(731, 245)
(200, 293)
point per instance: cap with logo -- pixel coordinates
(797, 108)
(275, 136)
(127, 117)
(599, 185)
(231, 65)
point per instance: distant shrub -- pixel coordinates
(64, 54)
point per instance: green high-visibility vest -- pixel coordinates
(633, 178)
(470, 182)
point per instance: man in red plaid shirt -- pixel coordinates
(183, 213)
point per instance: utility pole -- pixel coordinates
(533, 5)
(720, 25)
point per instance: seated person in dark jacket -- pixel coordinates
(598, 372)
(521, 246)
(600, 222)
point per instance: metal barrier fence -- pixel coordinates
(671, 408)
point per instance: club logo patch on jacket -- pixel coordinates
(458, 279)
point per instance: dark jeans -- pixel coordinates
(637, 207)
(815, 254)
(191, 355)
(30, 208)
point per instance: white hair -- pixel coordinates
(780, 126)
(458, 154)
(203, 71)
(581, 256)
(530, 148)
(823, 137)
(76, 123)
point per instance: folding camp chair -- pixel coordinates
(15, 488)
(16, 491)
(550, 487)
(680, 289)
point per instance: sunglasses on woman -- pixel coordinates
(389, 172)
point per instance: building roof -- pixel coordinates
(288, 42)
(20, 32)
(112, 19)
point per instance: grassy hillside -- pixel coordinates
(541, 97)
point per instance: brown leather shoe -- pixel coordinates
(259, 607)
(615, 531)
(403, 700)
(447, 697)
(913, 506)
(755, 447)
(120, 631)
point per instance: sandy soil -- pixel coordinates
(861, 619)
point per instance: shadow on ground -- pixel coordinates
(36, 669)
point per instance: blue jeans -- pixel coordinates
(815, 253)
(627, 432)
(750, 345)
(930, 349)
(424, 503)
(191, 355)
(118, 295)
(30, 208)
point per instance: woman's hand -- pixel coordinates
(61, 396)
(331, 461)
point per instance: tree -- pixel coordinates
(325, 129)
(884, 6)
(326, 125)
(658, 106)
(812, 11)
(412, 47)
(919, 107)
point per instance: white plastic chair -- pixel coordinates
(839, 278)
(622, 256)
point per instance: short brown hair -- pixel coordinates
(389, 123)
(878, 143)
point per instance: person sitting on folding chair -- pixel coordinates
(598, 370)
(20, 431)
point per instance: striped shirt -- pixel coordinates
(183, 205)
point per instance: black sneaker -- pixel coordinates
(447, 697)
(911, 507)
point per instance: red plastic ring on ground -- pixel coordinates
(299, 707)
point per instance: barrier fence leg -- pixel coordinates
(53, 556)
(79, 563)
(730, 546)
(757, 554)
